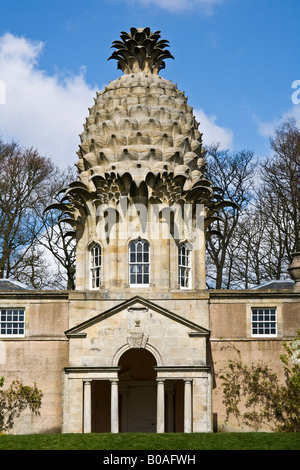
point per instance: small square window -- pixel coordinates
(264, 322)
(12, 322)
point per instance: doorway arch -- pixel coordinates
(137, 399)
(137, 391)
(137, 364)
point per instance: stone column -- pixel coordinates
(87, 407)
(187, 406)
(160, 407)
(114, 407)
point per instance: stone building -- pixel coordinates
(136, 347)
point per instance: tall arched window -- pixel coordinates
(184, 266)
(95, 266)
(139, 263)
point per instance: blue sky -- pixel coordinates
(236, 61)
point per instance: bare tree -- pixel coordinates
(34, 249)
(234, 174)
(257, 242)
(257, 253)
(57, 238)
(281, 189)
(24, 182)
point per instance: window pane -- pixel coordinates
(95, 266)
(139, 262)
(184, 266)
(12, 322)
(264, 322)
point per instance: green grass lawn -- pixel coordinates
(140, 441)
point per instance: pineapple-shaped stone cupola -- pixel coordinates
(141, 202)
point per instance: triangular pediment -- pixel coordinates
(136, 303)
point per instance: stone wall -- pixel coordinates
(42, 356)
(39, 357)
(230, 325)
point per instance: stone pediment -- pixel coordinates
(136, 307)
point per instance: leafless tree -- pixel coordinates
(24, 181)
(258, 241)
(34, 249)
(281, 188)
(57, 238)
(234, 174)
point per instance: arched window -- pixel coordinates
(139, 263)
(184, 266)
(95, 266)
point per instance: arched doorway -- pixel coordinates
(137, 391)
(140, 403)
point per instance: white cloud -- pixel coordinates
(213, 133)
(47, 112)
(41, 110)
(266, 128)
(174, 6)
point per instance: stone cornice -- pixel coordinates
(250, 294)
(178, 295)
(35, 295)
(182, 368)
(75, 369)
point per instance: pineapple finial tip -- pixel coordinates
(141, 51)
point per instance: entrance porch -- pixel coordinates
(138, 396)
